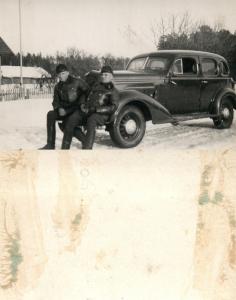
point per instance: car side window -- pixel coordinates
(209, 67)
(224, 69)
(157, 64)
(178, 67)
(185, 66)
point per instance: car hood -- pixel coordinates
(126, 73)
(136, 80)
(124, 79)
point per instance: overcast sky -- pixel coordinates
(100, 26)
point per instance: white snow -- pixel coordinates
(23, 126)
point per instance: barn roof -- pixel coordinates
(27, 72)
(4, 49)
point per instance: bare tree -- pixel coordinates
(158, 29)
(175, 25)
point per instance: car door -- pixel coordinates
(211, 81)
(180, 93)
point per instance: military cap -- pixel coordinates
(61, 68)
(107, 69)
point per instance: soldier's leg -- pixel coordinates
(93, 121)
(78, 133)
(71, 122)
(52, 116)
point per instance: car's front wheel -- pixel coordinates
(129, 127)
(226, 116)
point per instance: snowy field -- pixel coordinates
(156, 224)
(23, 126)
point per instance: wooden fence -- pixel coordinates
(25, 93)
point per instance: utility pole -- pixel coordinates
(0, 77)
(20, 31)
(0, 72)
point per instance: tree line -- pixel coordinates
(78, 62)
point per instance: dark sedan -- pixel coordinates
(171, 86)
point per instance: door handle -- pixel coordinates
(173, 82)
(204, 81)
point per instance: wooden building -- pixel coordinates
(6, 54)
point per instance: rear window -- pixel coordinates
(209, 66)
(224, 68)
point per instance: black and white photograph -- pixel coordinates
(170, 94)
(117, 150)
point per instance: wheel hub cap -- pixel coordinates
(130, 126)
(225, 113)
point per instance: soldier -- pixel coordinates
(69, 94)
(102, 101)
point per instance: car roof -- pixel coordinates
(182, 52)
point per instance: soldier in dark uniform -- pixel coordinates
(102, 101)
(69, 94)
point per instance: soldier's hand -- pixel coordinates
(101, 100)
(62, 112)
(84, 108)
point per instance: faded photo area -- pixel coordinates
(156, 225)
(150, 211)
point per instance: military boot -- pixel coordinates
(51, 136)
(66, 142)
(65, 145)
(47, 147)
(89, 140)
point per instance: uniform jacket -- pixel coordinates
(107, 94)
(70, 94)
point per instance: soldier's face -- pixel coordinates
(106, 77)
(63, 75)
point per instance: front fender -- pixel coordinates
(151, 108)
(227, 92)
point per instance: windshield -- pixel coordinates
(137, 64)
(153, 64)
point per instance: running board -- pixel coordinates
(181, 118)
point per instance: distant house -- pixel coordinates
(6, 54)
(11, 74)
(31, 75)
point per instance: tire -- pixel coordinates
(226, 117)
(129, 127)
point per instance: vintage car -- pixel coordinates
(169, 86)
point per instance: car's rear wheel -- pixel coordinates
(226, 116)
(129, 127)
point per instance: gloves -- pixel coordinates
(61, 112)
(106, 109)
(84, 108)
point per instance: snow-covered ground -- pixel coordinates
(150, 225)
(23, 126)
